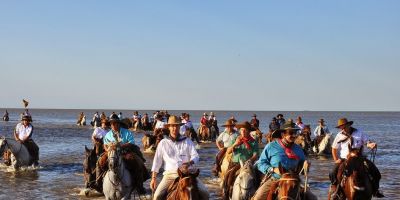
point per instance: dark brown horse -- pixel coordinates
(287, 187)
(89, 170)
(185, 186)
(355, 181)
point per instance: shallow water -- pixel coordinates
(62, 145)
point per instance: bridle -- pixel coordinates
(116, 166)
(298, 191)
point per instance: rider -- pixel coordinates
(224, 140)
(245, 149)
(282, 152)
(98, 135)
(131, 152)
(281, 121)
(255, 123)
(187, 125)
(299, 123)
(350, 137)
(320, 131)
(5, 116)
(23, 134)
(175, 151)
(212, 121)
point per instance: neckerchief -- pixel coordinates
(288, 151)
(178, 138)
(245, 141)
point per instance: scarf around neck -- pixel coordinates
(288, 150)
(246, 141)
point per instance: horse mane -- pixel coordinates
(273, 190)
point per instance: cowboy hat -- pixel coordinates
(25, 117)
(211, 113)
(173, 120)
(321, 120)
(343, 121)
(254, 115)
(228, 123)
(289, 125)
(244, 124)
(114, 118)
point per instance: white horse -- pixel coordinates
(20, 156)
(324, 146)
(117, 183)
(245, 183)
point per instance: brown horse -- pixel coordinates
(150, 141)
(355, 182)
(204, 133)
(185, 186)
(287, 187)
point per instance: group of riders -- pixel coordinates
(176, 151)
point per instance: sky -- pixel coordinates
(201, 55)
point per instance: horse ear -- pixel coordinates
(180, 172)
(86, 149)
(241, 163)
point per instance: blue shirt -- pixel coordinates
(274, 154)
(125, 135)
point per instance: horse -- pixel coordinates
(89, 171)
(287, 187)
(324, 145)
(96, 122)
(6, 118)
(303, 142)
(204, 133)
(224, 166)
(245, 183)
(185, 186)
(354, 178)
(20, 156)
(257, 135)
(117, 183)
(213, 133)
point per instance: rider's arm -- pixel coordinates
(334, 154)
(264, 163)
(15, 134)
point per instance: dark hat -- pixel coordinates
(173, 120)
(244, 124)
(289, 125)
(228, 123)
(343, 121)
(254, 115)
(279, 115)
(25, 117)
(114, 118)
(274, 119)
(321, 120)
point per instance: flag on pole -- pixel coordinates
(25, 102)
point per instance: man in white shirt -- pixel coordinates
(175, 151)
(350, 137)
(98, 134)
(320, 131)
(23, 134)
(224, 140)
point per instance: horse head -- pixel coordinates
(114, 158)
(245, 182)
(187, 185)
(89, 167)
(3, 144)
(355, 181)
(289, 186)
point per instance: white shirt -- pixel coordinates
(99, 133)
(159, 124)
(359, 139)
(317, 131)
(174, 154)
(23, 131)
(186, 125)
(227, 138)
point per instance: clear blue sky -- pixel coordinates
(214, 55)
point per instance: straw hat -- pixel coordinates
(228, 123)
(289, 125)
(244, 124)
(254, 115)
(343, 121)
(173, 120)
